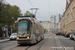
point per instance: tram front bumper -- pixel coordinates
(24, 41)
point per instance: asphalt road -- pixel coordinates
(67, 42)
(50, 42)
(7, 44)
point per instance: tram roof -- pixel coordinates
(26, 17)
(30, 18)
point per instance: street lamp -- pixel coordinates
(12, 22)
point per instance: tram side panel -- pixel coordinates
(34, 33)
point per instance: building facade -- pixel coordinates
(48, 25)
(52, 19)
(55, 20)
(51, 26)
(67, 22)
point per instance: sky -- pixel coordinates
(46, 8)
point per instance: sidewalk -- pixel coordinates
(3, 40)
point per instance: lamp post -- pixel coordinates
(6, 29)
(12, 22)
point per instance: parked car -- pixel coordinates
(57, 33)
(13, 36)
(62, 33)
(54, 32)
(72, 35)
(67, 34)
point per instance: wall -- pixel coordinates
(67, 22)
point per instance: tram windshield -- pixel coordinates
(23, 27)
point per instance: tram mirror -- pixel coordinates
(32, 21)
(15, 21)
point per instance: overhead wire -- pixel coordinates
(31, 3)
(33, 6)
(49, 6)
(40, 15)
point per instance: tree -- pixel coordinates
(29, 14)
(1, 1)
(6, 13)
(15, 27)
(40, 21)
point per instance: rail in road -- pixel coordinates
(44, 43)
(27, 46)
(56, 47)
(50, 42)
(65, 40)
(39, 46)
(30, 45)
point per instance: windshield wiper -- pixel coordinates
(23, 33)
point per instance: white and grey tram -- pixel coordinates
(29, 30)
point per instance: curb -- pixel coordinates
(4, 40)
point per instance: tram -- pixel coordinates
(29, 30)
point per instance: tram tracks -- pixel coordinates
(61, 44)
(13, 47)
(56, 41)
(39, 45)
(21, 46)
(27, 48)
(42, 44)
(38, 48)
(45, 40)
(55, 44)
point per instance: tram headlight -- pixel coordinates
(27, 37)
(17, 37)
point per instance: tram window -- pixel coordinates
(33, 28)
(31, 25)
(23, 28)
(37, 26)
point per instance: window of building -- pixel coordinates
(69, 1)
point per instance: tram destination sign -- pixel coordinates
(23, 21)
